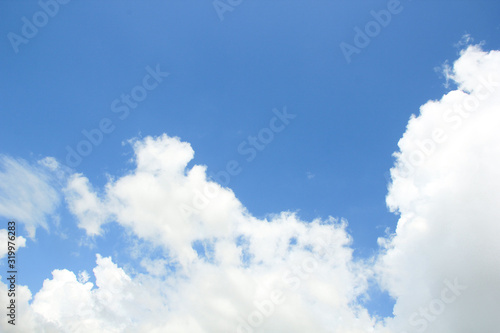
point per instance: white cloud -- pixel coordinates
(28, 193)
(237, 273)
(246, 261)
(19, 242)
(160, 201)
(83, 276)
(315, 286)
(26, 320)
(84, 203)
(446, 192)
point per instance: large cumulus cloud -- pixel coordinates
(445, 188)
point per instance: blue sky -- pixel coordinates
(225, 78)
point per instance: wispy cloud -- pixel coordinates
(28, 193)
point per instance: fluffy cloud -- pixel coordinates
(287, 286)
(302, 289)
(20, 242)
(234, 273)
(28, 193)
(224, 270)
(160, 201)
(445, 188)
